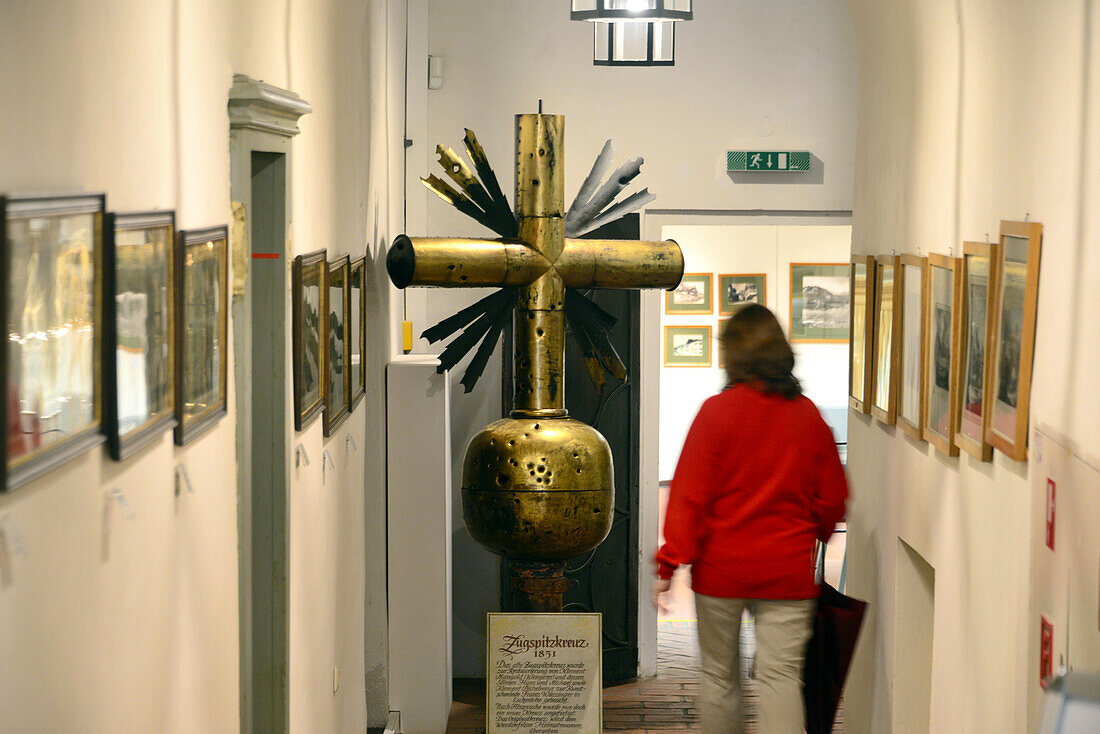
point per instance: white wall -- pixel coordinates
(760, 248)
(972, 112)
(774, 75)
(138, 632)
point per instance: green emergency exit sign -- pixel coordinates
(768, 160)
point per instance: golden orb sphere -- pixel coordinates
(538, 488)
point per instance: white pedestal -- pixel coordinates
(419, 535)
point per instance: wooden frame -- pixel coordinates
(942, 393)
(51, 303)
(888, 290)
(913, 346)
(828, 305)
(682, 293)
(727, 280)
(1014, 336)
(201, 329)
(861, 321)
(702, 333)
(309, 338)
(337, 401)
(976, 347)
(141, 350)
(359, 331)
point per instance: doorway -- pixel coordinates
(733, 257)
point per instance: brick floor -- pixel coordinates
(661, 705)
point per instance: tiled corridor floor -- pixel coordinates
(664, 705)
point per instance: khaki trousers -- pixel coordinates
(782, 631)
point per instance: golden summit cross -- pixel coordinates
(537, 487)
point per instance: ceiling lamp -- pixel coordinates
(633, 32)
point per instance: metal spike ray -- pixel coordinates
(483, 202)
(594, 204)
(591, 183)
(591, 327)
(489, 179)
(457, 200)
(480, 322)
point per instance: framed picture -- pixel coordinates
(692, 296)
(944, 317)
(52, 264)
(358, 330)
(309, 300)
(911, 342)
(888, 290)
(820, 302)
(1014, 336)
(734, 290)
(860, 355)
(977, 315)
(688, 346)
(202, 280)
(338, 369)
(139, 327)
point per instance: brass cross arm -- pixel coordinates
(477, 263)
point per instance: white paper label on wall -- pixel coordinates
(544, 674)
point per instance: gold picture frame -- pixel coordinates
(309, 301)
(913, 377)
(202, 312)
(688, 346)
(139, 324)
(338, 373)
(944, 317)
(1014, 336)
(978, 317)
(862, 329)
(888, 289)
(693, 296)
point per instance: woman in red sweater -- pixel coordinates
(758, 481)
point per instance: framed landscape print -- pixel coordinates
(862, 290)
(820, 301)
(975, 384)
(688, 346)
(944, 318)
(309, 300)
(884, 403)
(1014, 336)
(202, 282)
(139, 327)
(358, 330)
(52, 263)
(734, 290)
(338, 368)
(911, 341)
(692, 296)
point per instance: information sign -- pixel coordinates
(544, 674)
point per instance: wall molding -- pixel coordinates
(256, 105)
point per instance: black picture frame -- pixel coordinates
(159, 230)
(309, 270)
(201, 329)
(358, 312)
(72, 325)
(338, 374)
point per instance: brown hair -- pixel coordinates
(757, 351)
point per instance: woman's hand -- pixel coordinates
(660, 588)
